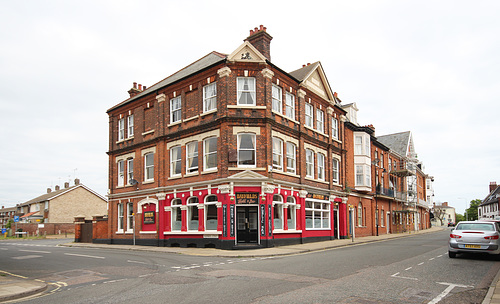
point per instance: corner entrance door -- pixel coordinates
(247, 226)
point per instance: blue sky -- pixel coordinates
(430, 67)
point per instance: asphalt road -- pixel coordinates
(414, 269)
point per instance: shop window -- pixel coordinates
(278, 211)
(317, 215)
(211, 213)
(292, 207)
(192, 213)
(176, 214)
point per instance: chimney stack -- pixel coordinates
(261, 40)
(134, 90)
(77, 181)
(57, 187)
(493, 186)
(66, 185)
(49, 190)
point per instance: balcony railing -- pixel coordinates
(399, 195)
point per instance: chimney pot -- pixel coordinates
(303, 65)
(140, 87)
(57, 187)
(135, 85)
(66, 185)
(251, 32)
(77, 181)
(261, 27)
(308, 63)
(256, 29)
(265, 29)
(49, 190)
(144, 87)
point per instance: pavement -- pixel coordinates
(14, 287)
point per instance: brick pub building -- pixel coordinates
(232, 152)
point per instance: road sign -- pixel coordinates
(4, 230)
(16, 218)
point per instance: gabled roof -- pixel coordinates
(492, 197)
(313, 78)
(202, 63)
(56, 193)
(246, 53)
(398, 142)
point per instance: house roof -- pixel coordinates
(8, 209)
(302, 73)
(29, 214)
(398, 142)
(56, 193)
(492, 197)
(202, 63)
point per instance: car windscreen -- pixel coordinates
(476, 226)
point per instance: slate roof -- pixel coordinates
(492, 197)
(398, 142)
(202, 63)
(302, 73)
(48, 196)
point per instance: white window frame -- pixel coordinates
(121, 173)
(278, 212)
(209, 154)
(130, 217)
(130, 170)
(360, 215)
(335, 170)
(291, 213)
(335, 128)
(121, 129)
(254, 140)
(192, 208)
(318, 207)
(130, 126)
(250, 90)
(358, 145)
(174, 162)
(209, 203)
(320, 120)
(210, 97)
(120, 218)
(290, 105)
(175, 210)
(291, 158)
(309, 163)
(192, 156)
(176, 109)
(309, 112)
(277, 97)
(321, 165)
(277, 153)
(149, 157)
(362, 175)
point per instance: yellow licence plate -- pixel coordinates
(473, 246)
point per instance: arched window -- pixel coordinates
(176, 214)
(278, 211)
(192, 213)
(211, 212)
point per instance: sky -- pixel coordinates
(429, 67)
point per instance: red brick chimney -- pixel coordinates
(261, 40)
(493, 186)
(134, 90)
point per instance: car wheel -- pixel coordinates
(452, 254)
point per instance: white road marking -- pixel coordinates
(25, 257)
(4, 249)
(85, 256)
(396, 275)
(36, 251)
(137, 262)
(431, 259)
(408, 268)
(421, 264)
(446, 291)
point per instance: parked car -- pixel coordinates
(474, 237)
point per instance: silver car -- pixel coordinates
(474, 237)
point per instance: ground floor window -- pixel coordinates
(176, 215)
(317, 214)
(278, 211)
(192, 213)
(292, 207)
(211, 212)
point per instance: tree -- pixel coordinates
(459, 217)
(9, 223)
(439, 213)
(471, 212)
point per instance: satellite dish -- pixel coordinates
(133, 182)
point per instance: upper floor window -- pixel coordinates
(246, 150)
(121, 173)
(309, 115)
(277, 153)
(130, 170)
(130, 126)
(363, 176)
(335, 128)
(320, 121)
(121, 129)
(149, 166)
(175, 161)
(291, 162)
(335, 171)
(321, 166)
(246, 91)
(210, 153)
(277, 103)
(362, 145)
(192, 157)
(175, 109)
(210, 97)
(309, 163)
(290, 106)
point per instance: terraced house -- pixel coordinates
(233, 152)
